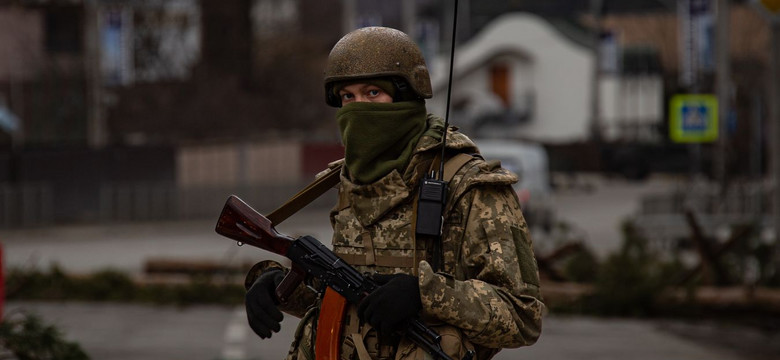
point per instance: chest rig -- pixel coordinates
(375, 225)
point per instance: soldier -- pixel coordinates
(485, 294)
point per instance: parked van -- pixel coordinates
(529, 162)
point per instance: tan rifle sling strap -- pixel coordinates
(332, 177)
(307, 195)
(454, 164)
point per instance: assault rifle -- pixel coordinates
(310, 257)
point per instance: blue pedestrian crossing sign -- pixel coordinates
(693, 118)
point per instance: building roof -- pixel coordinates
(499, 38)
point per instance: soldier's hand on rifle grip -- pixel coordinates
(262, 304)
(390, 306)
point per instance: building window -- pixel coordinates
(500, 84)
(166, 40)
(274, 17)
(63, 28)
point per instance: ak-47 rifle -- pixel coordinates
(310, 257)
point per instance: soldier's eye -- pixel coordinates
(373, 92)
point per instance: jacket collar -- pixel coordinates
(370, 202)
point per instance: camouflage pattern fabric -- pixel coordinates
(489, 285)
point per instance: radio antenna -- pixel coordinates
(449, 92)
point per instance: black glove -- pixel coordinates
(392, 304)
(261, 304)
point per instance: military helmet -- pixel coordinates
(375, 51)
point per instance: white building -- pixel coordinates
(522, 77)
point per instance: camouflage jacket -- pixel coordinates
(488, 287)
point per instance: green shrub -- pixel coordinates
(28, 338)
(35, 284)
(113, 285)
(629, 282)
(105, 285)
(581, 267)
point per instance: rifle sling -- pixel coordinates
(331, 178)
(454, 164)
(306, 196)
(378, 260)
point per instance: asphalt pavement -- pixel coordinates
(127, 331)
(135, 332)
(594, 208)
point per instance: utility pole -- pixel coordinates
(774, 111)
(96, 127)
(348, 15)
(771, 10)
(723, 68)
(464, 22)
(408, 17)
(597, 9)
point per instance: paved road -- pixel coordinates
(126, 247)
(82, 248)
(596, 206)
(118, 332)
(130, 332)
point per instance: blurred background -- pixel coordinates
(646, 134)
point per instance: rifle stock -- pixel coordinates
(240, 222)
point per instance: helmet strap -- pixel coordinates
(331, 98)
(402, 91)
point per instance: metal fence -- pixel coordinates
(26, 205)
(31, 205)
(739, 199)
(142, 202)
(46, 186)
(661, 217)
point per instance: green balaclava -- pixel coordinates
(379, 137)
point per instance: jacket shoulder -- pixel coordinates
(481, 172)
(478, 172)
